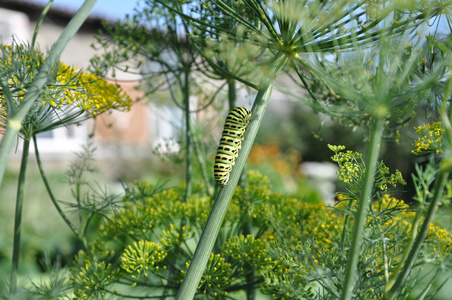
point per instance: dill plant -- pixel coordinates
(39, 96)
(363, 53)
(16, 117)
(296, 250)
(139, 245)
(382, 244)
(17, 114)
(298, 35)
(313, 254)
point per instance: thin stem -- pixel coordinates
(200, 156)
(189, 167)
(394, 286)
(361, 215)
(38, 24)
(384, 245)
(18, 217)
(408, 248)
(224, 196)
(440, 183)
(251, 276)
(7, 95)
(49, 190)
(14, 122)
(302, 76)
(222, 70)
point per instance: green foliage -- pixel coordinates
(295, 250)
(92, 278)
(152, 238)
(313, 248)
(351, 168)
(57, 287)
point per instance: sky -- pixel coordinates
(112, 9)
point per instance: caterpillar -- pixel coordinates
(230, 143)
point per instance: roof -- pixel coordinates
(56, 15)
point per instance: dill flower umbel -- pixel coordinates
(430, 138)
(351, 169)
(92, 278)
(69, 97)
(142, 257)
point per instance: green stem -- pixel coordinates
(361, 215)
(221, 204)
(14, 122)
(437, 194)
(251, 276)
(232, 100)
(247, 228)
(200, 156)
(18, 217)
(7, 95)
(232, 93)
(408, 248)
(49, 190)
(38, 24)
(396, 283)
(189, 167)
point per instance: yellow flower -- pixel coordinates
(430, 140)
(69, 97)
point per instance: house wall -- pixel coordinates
(130, 128)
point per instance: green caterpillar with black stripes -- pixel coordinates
(230, 143)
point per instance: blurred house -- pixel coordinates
(139, 127)
(136, 132)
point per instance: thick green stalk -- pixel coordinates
(361, 215)
(221, 204)
(9, 100)
(232, 98)
(215, 219)
(14, 123)
(440, 183)
(18, 218)
(232, 93)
